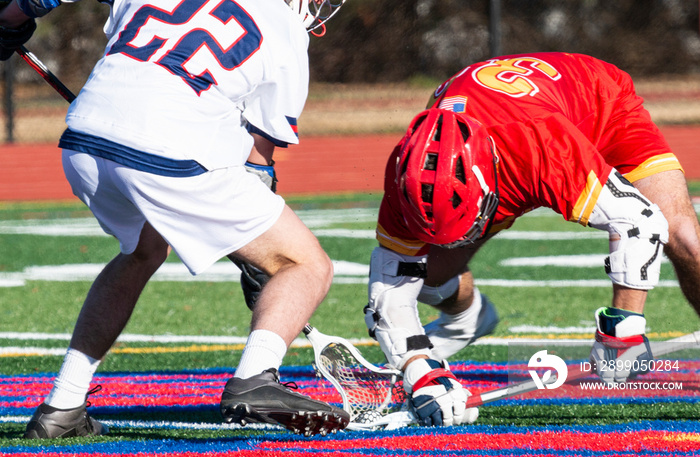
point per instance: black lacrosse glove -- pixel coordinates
(252, 281)
(12, 39)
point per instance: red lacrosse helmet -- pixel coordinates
(446, 176)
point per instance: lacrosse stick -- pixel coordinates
(45, 73)
(658, 348)
(373, 396)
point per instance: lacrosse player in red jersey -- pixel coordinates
(500, 138)
(167, 143)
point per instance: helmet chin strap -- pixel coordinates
(319, 33)
(489, 203)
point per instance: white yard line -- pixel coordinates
(345, 273)
(314, 219)
(579, 261)
(170, 271)
(317, 223)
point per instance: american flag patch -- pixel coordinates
(457, 104)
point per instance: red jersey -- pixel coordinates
(559, 121)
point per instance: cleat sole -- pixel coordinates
(307, 423)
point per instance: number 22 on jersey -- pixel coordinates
(201, 36)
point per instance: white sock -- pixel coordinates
(264, 349)
(73, 381)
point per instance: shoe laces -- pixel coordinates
(290, 385)
(287, 384)
(94, 390)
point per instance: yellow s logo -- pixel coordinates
(514, 77)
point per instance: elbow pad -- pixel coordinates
(638, 230)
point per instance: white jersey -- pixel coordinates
(182, 82)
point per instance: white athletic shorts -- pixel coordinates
(203, 218)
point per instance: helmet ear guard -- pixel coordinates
(447, 180)
(315, 13)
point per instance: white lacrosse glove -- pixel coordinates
(621, 349)
(436, 397)
(266, 173)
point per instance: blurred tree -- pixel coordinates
(70, 39)
(367, 41)
(392, 40)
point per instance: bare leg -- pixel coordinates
(301, 274)
(670, 191)
(629, 299)
(113, 295)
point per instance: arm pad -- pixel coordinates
(392, 312)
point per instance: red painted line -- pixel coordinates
(343, 164)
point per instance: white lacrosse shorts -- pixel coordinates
(203, 218)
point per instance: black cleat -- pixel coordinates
(49, 422)
(262, 399)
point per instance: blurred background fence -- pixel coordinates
(391, 40)
(399, 41)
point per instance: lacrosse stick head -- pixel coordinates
(315, 13)
(370, 394)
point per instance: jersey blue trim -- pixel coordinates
(132, 158)
(253, 129)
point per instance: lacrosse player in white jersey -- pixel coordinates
(157, 146)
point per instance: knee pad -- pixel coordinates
(391, 314)
(637, 231)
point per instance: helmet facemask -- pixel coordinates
(446, 174)
(487, 209)
(315, 13)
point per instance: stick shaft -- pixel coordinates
(45, 73)
(662, 348)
